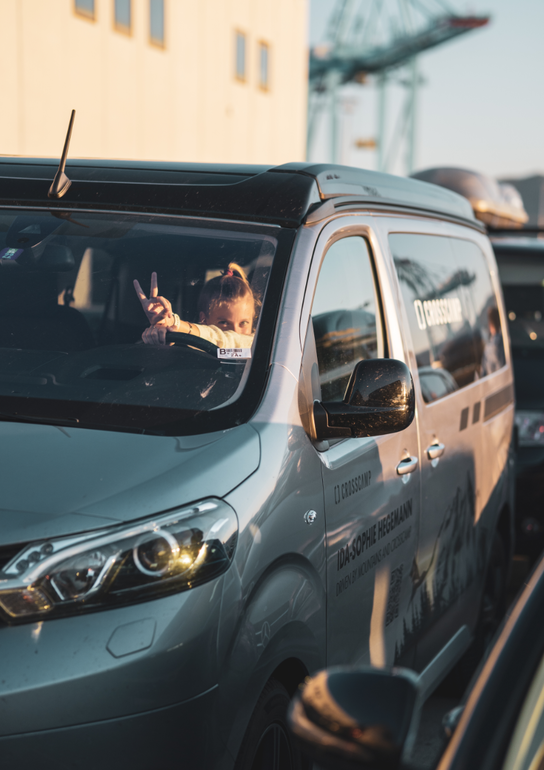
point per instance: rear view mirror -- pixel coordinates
(57, 259)
(26, 232)
(379, 399)
(52, 259)
(347, 718)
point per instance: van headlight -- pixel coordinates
(122, 565)
(530, 428)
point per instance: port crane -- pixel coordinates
(376, 38)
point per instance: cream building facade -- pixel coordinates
(186, 80)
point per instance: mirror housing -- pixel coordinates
(57, 259)
(379, 399)
(49, 259)
(29, 230)
(347, 718)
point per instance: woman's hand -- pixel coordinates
(157, 309)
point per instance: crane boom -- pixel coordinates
(349, 62)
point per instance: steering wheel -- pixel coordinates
(181, 338)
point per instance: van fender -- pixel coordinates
(283, 619)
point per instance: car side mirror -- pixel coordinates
(379, 399)
(347, 718)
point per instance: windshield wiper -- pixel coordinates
(73, 422)
(66, 421)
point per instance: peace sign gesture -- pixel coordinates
(157, 309)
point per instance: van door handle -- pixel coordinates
(435, 451)
(407, 465)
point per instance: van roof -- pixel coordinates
(285, 195)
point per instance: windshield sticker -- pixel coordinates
(233, 352)
(10, 253)
(436, 312)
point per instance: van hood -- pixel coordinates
(60, 481)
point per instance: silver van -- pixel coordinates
(187, 531)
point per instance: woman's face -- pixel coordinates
(234, 316)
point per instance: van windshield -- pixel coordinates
(521, 270)
(71, 321)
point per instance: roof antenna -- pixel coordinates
(61, 183)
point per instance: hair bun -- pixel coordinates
(231, 286)
(235, 271)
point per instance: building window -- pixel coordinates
(85, 8)
(264, 66)
(122, 16)
(240, 64)
(156, 22)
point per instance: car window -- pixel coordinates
(71, 322)
(435, 383)
(488, 334)
(345, 317)
(452, 310)
(521, 271)
(526, 748)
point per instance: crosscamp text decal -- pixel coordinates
(436, 312)
(352, 486)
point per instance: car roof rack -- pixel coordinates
(287, 195)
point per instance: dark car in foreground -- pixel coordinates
(368, 718)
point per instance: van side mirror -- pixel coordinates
(379, 399)
(357, 718)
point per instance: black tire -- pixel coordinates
(267, 743)
(492, 609)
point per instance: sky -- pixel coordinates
(480, 105)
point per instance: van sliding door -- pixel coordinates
(448, 308)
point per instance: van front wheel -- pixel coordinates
(267, 744)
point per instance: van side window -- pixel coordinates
(451, 310)
(345, 315)
(487, 323)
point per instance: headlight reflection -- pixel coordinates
(127, 564)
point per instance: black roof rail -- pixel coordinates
(331, 206)
(285, 195)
